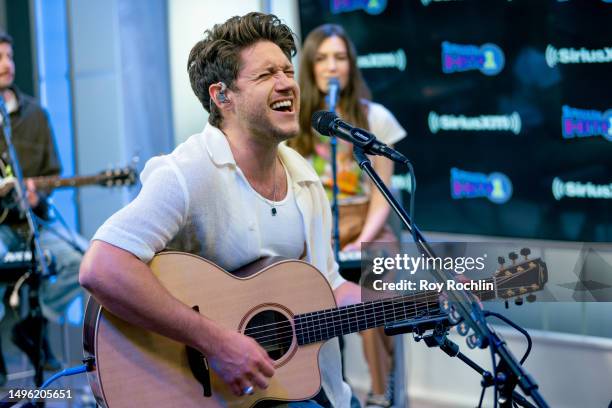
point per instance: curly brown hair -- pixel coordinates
(216, 57)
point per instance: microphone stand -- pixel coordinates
(433, 331)
(333, 142)
(470, 309)
(39, 266)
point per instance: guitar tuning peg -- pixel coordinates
(518, 301)
(501, 260)
(454, 317)
(531, 298)
(513, 257)
(445, 306)
(463, 329)
(525, 252)
(473, 341)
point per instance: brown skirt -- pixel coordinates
(351, 221)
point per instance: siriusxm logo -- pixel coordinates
(369, 6)
(395, 59)
(488, 58)
(556, 56)
(500, 123)
(495, 186)
(577, 189)
(586, 123)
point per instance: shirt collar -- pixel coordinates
(218, 148)
(16, 103)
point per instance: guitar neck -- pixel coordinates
(323, 325)
(47, 182)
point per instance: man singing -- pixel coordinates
(231, 194)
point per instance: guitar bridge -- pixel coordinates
(198, 363)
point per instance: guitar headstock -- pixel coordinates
(126, 176)
(522, 276)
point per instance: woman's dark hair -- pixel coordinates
(353, 97)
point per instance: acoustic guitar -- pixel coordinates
(287, 306)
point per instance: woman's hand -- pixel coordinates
(352, 246)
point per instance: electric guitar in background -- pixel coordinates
(287, 306)
(126, 176)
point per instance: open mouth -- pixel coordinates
(286, 105)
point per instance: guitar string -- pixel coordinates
(326, 328)
(387, 304)
(373, 315)
(372, 306)
(427, 296)
(390, 303)
(333, 328)
(287, 334)
(424, 295)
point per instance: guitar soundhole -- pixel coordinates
(273, 331)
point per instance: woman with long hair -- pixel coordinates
(329, 53)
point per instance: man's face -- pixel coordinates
(7, 66)
(267, 99)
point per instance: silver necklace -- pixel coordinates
(273, 210)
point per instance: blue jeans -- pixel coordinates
(56, 292)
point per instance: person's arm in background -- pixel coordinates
(50, 166)
(378, 210)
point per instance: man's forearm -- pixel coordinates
(128, 288)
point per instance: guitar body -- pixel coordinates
(287, 306)
(139, 368)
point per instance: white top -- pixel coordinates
(281, 234)
(195, 200)
(384, 125)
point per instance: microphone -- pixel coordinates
(328, 124)
(333, 89)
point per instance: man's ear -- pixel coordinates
(217, 92)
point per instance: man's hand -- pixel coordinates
(6, 185)
(241, 363)
(31, 193)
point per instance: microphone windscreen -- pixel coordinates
(321, 121)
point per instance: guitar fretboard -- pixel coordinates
(55, 182)
(325, 324)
